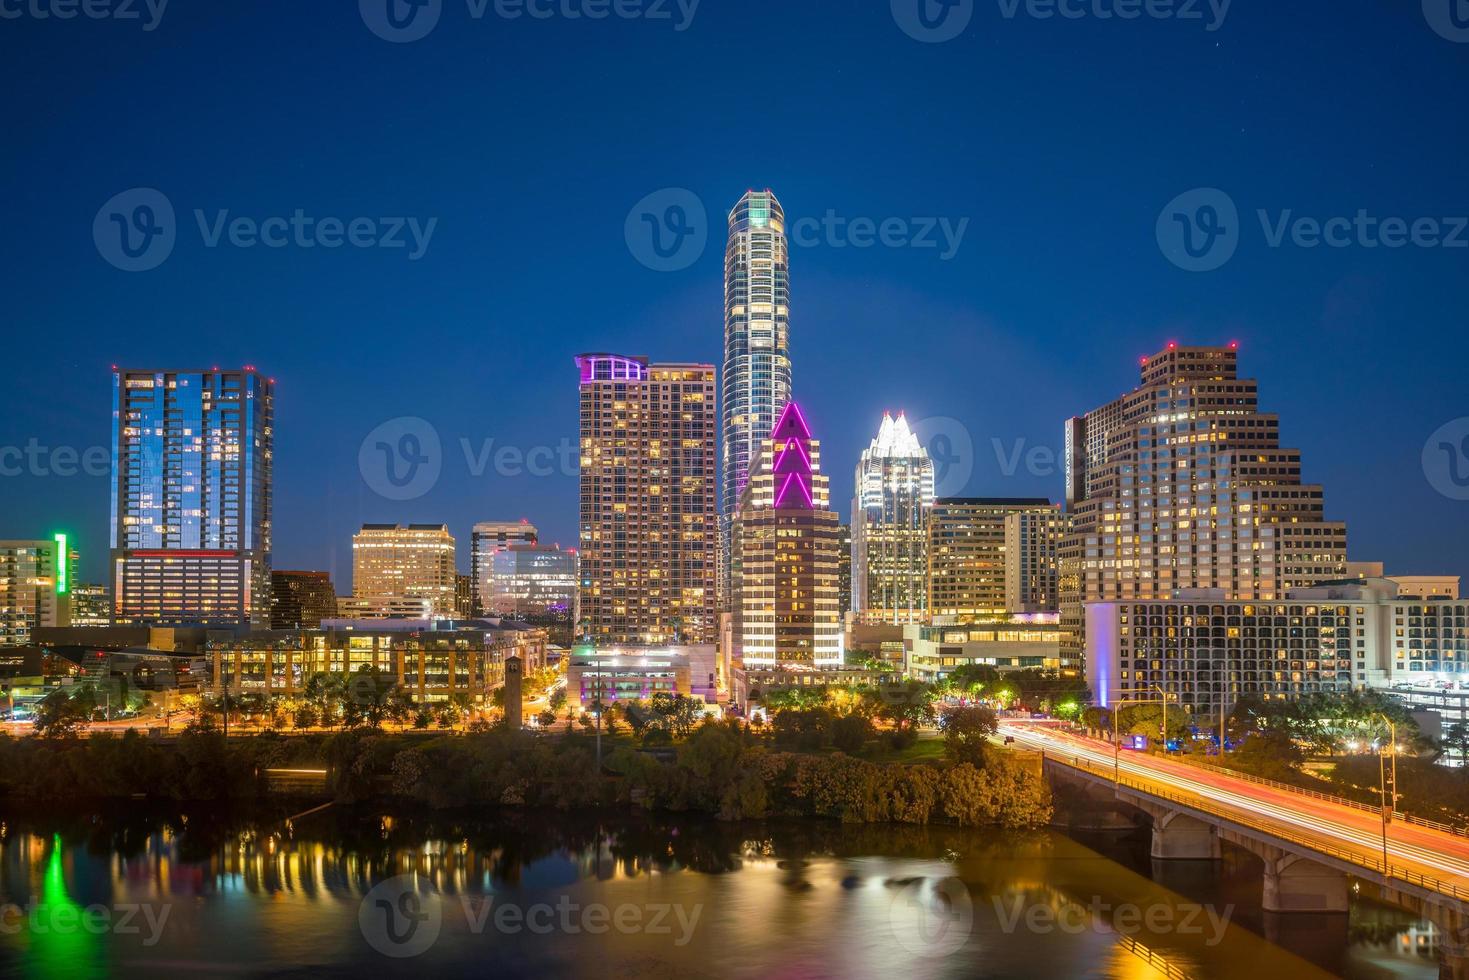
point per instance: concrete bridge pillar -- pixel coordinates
(1297, 884)
(1452, 924)
(1177, 836)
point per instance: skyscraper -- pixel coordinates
(756, 383)
(967, 555)
(785, 575)
(890, 514)
(404, 571)
(191, 497)
(538, 580)
(487, 538)
(34, 588)
(1032, 560)
(649, 527)
(1182, 484)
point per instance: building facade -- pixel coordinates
(967, 555)
(301, 600)
(844, 569)
(890, 514)
(1033, 560)
(486, 539)
(933, 653)
(1183, 484)
(784, 578)
(756, 383)
(91, 605)
(648, 522)
(191, 497)
(403, 570)
(535, 580)
(35, 590)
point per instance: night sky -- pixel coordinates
(1059, 141)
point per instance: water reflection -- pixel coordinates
(262, 894)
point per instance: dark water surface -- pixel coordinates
(363, 893)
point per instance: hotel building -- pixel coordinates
(403, 570)
(1182, 484)
(34, 588)
(967, 555)
(784, 578)
(1033, 560)
(487, 539)
(648, 527)
(890, 515)
(756, 383)
(191, 497)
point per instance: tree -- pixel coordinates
(674, 713)
(967, 732)
(850, 732)
(906, 705)
(1456, 739)
(61, 713)
(558, 699)
(547, 718)
(369, 695)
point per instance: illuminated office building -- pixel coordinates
(784, 577)
(890, 515)
(486, 539)
(1182, 484)
(756, 383)
(191, 497)
(91, 605)
(844, 569)
(301, 600)
(649, 527)
(1033, 560)
(535, 580)
(34, 588)
(967, 555)
(403, 571)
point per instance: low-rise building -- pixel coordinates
(634, 673)
(933, 653)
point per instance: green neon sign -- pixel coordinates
(63, 559)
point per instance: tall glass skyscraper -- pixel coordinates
(890, 515)
(191, 497)
(756, 384)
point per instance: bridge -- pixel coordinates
(1312, 846)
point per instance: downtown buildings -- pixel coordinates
(890, 514)
(301, 599)
(191, 497)
(34, 588)
(756, 383)
(968, 554)
(486, 539)
(534, 581)
(1182, 485)
(648, 523)
(403, 571)
(786, 568)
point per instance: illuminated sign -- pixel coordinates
(62, 560)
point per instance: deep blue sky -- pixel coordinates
(529, 141)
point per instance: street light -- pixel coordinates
(1116, 735)
(1388, 796)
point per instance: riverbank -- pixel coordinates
(720, 770)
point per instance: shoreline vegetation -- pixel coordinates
(719, 769)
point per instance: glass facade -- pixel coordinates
(890, 516)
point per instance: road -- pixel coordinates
(1357, 833)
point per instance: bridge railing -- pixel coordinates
(1265, 825)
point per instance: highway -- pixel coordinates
(1341, 830)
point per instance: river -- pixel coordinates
(363, 893)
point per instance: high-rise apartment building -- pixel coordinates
(649, 527)
(967, 557)
(1183, 484)
(191, 497)
(1033, 560)
(890, 514)
(756, 383)
(486, 539)
(404, 570)
(535, 580)
(784, 577)
(301, 600)
(34, 588)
